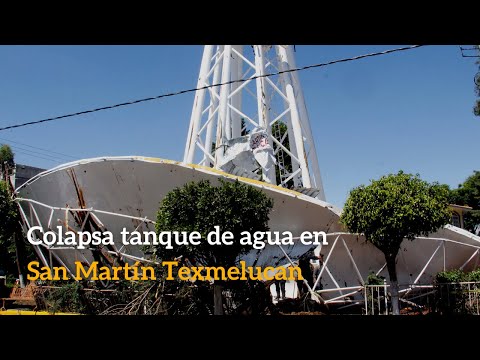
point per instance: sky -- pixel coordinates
(409, 111)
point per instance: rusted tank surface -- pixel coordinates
(112, 193)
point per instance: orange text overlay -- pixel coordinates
(140, 272)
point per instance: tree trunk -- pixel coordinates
(19, 258)
(217, 299)
(392, 272)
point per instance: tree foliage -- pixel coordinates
(374, 279)
(8, 213)
(6, 158)
(452, 295)
(66, 298)
(8, 225)
(395, 207)
(233, 206)
(456, 276)
(468, 194)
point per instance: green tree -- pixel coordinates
(12, 242)
(233, 206)
(468, 193)
(6, 160)
(8, 227)
(451, 296)
(8, 213)
(393, 208)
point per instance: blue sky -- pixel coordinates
(410, 110)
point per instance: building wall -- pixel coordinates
(25, 172)
(459, 211)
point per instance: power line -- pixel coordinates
(211, 86)
(16, 148)
(40, 157)
(39, 148)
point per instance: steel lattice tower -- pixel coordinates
(229, 121)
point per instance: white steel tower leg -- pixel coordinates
(261, 88)
(263, 105)
(288, 121)
(212, 108)
(294, 116)
(222, 131)
(318, 183)
(236, 100)
(197, 105)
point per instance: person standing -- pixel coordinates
(307, 270)
(280, 289)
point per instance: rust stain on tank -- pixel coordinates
(81, 200)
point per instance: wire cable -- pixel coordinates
(39, 148)
(55, 157)
(211, 86)
(37, 156)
